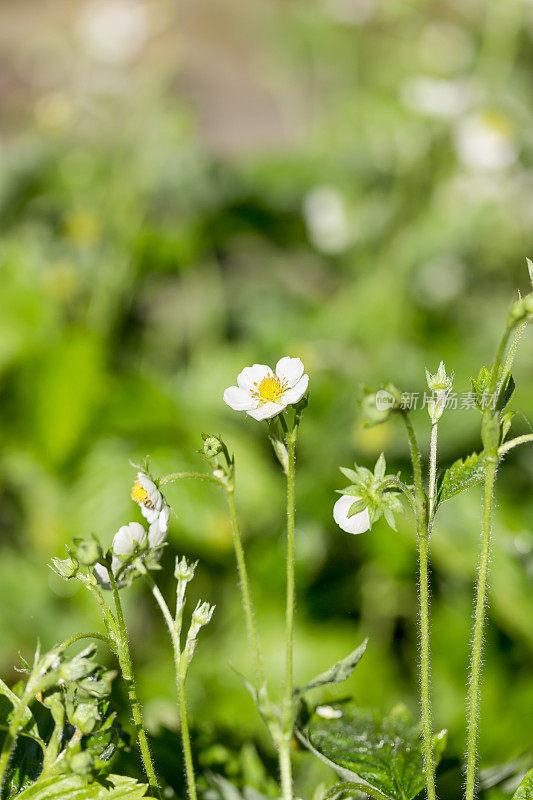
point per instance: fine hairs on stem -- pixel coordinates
(423, 593)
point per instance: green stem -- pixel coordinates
(180, 667)
(185, 736)
(504, 448)
(432, 495)
(126, 666)
(179, 476)
(477, 644)
(246, 595)
(423, 559)
(13, 731)
(288, 701)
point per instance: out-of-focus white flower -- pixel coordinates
(154, 508)
(484, 142)
(357, 523)
(350, 12)
(113, 31)
(328, 712)
(326, 218)
(437, 97)
(263, 393)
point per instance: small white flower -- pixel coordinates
(125, 541)
(485, 143)
(113, 31)
(263, 393)
(127, 538)
(358, 523)
(328, 712)
(154, 508)
(326, 218)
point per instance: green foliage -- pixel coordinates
(525, 790)
(462, 475)
(73, 787)
(338, 673)
(381, 755)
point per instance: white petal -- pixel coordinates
(238, 399)
(290, 369)
(266, 411)
(297, 392)
(164, 518)
(126, 537)
(358, 523)
(150, 514)
(137, 532)
(156, 534)
(102, 576)
(252, 375)
(147, 483)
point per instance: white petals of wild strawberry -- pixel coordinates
(357, 523)
(153, 506)
(264, 393)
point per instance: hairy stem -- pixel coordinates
(246, 595)
(432, 495)
(180, 669)
(477, 643)
(425, 661)
(185, 736)
(288, 702)
(126, 667)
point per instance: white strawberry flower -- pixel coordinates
(264, 393)
(125, 541)
(153, 506)
(357, 523)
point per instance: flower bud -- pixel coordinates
(212, 446)
(441, 386)
(81, 763)
(202, 614)
(184, 570)
(87, 551)
(376, 407)
(66, 568)
(85, 717)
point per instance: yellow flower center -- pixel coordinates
(140, 495)
(270, 389)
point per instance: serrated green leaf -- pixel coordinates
(348, 787)
(462, 475)
(383, 752)
(73, 787)
(525, 790)
(338, 673)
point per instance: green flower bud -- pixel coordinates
(202, 614)
(87, 551)
(184, 570)
(85, 717)
(376, 407)
(212, 446)
(81, 763)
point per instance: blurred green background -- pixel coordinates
(190, 187)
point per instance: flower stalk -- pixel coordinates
(285, 763)
(126, 667)
(423, 578)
